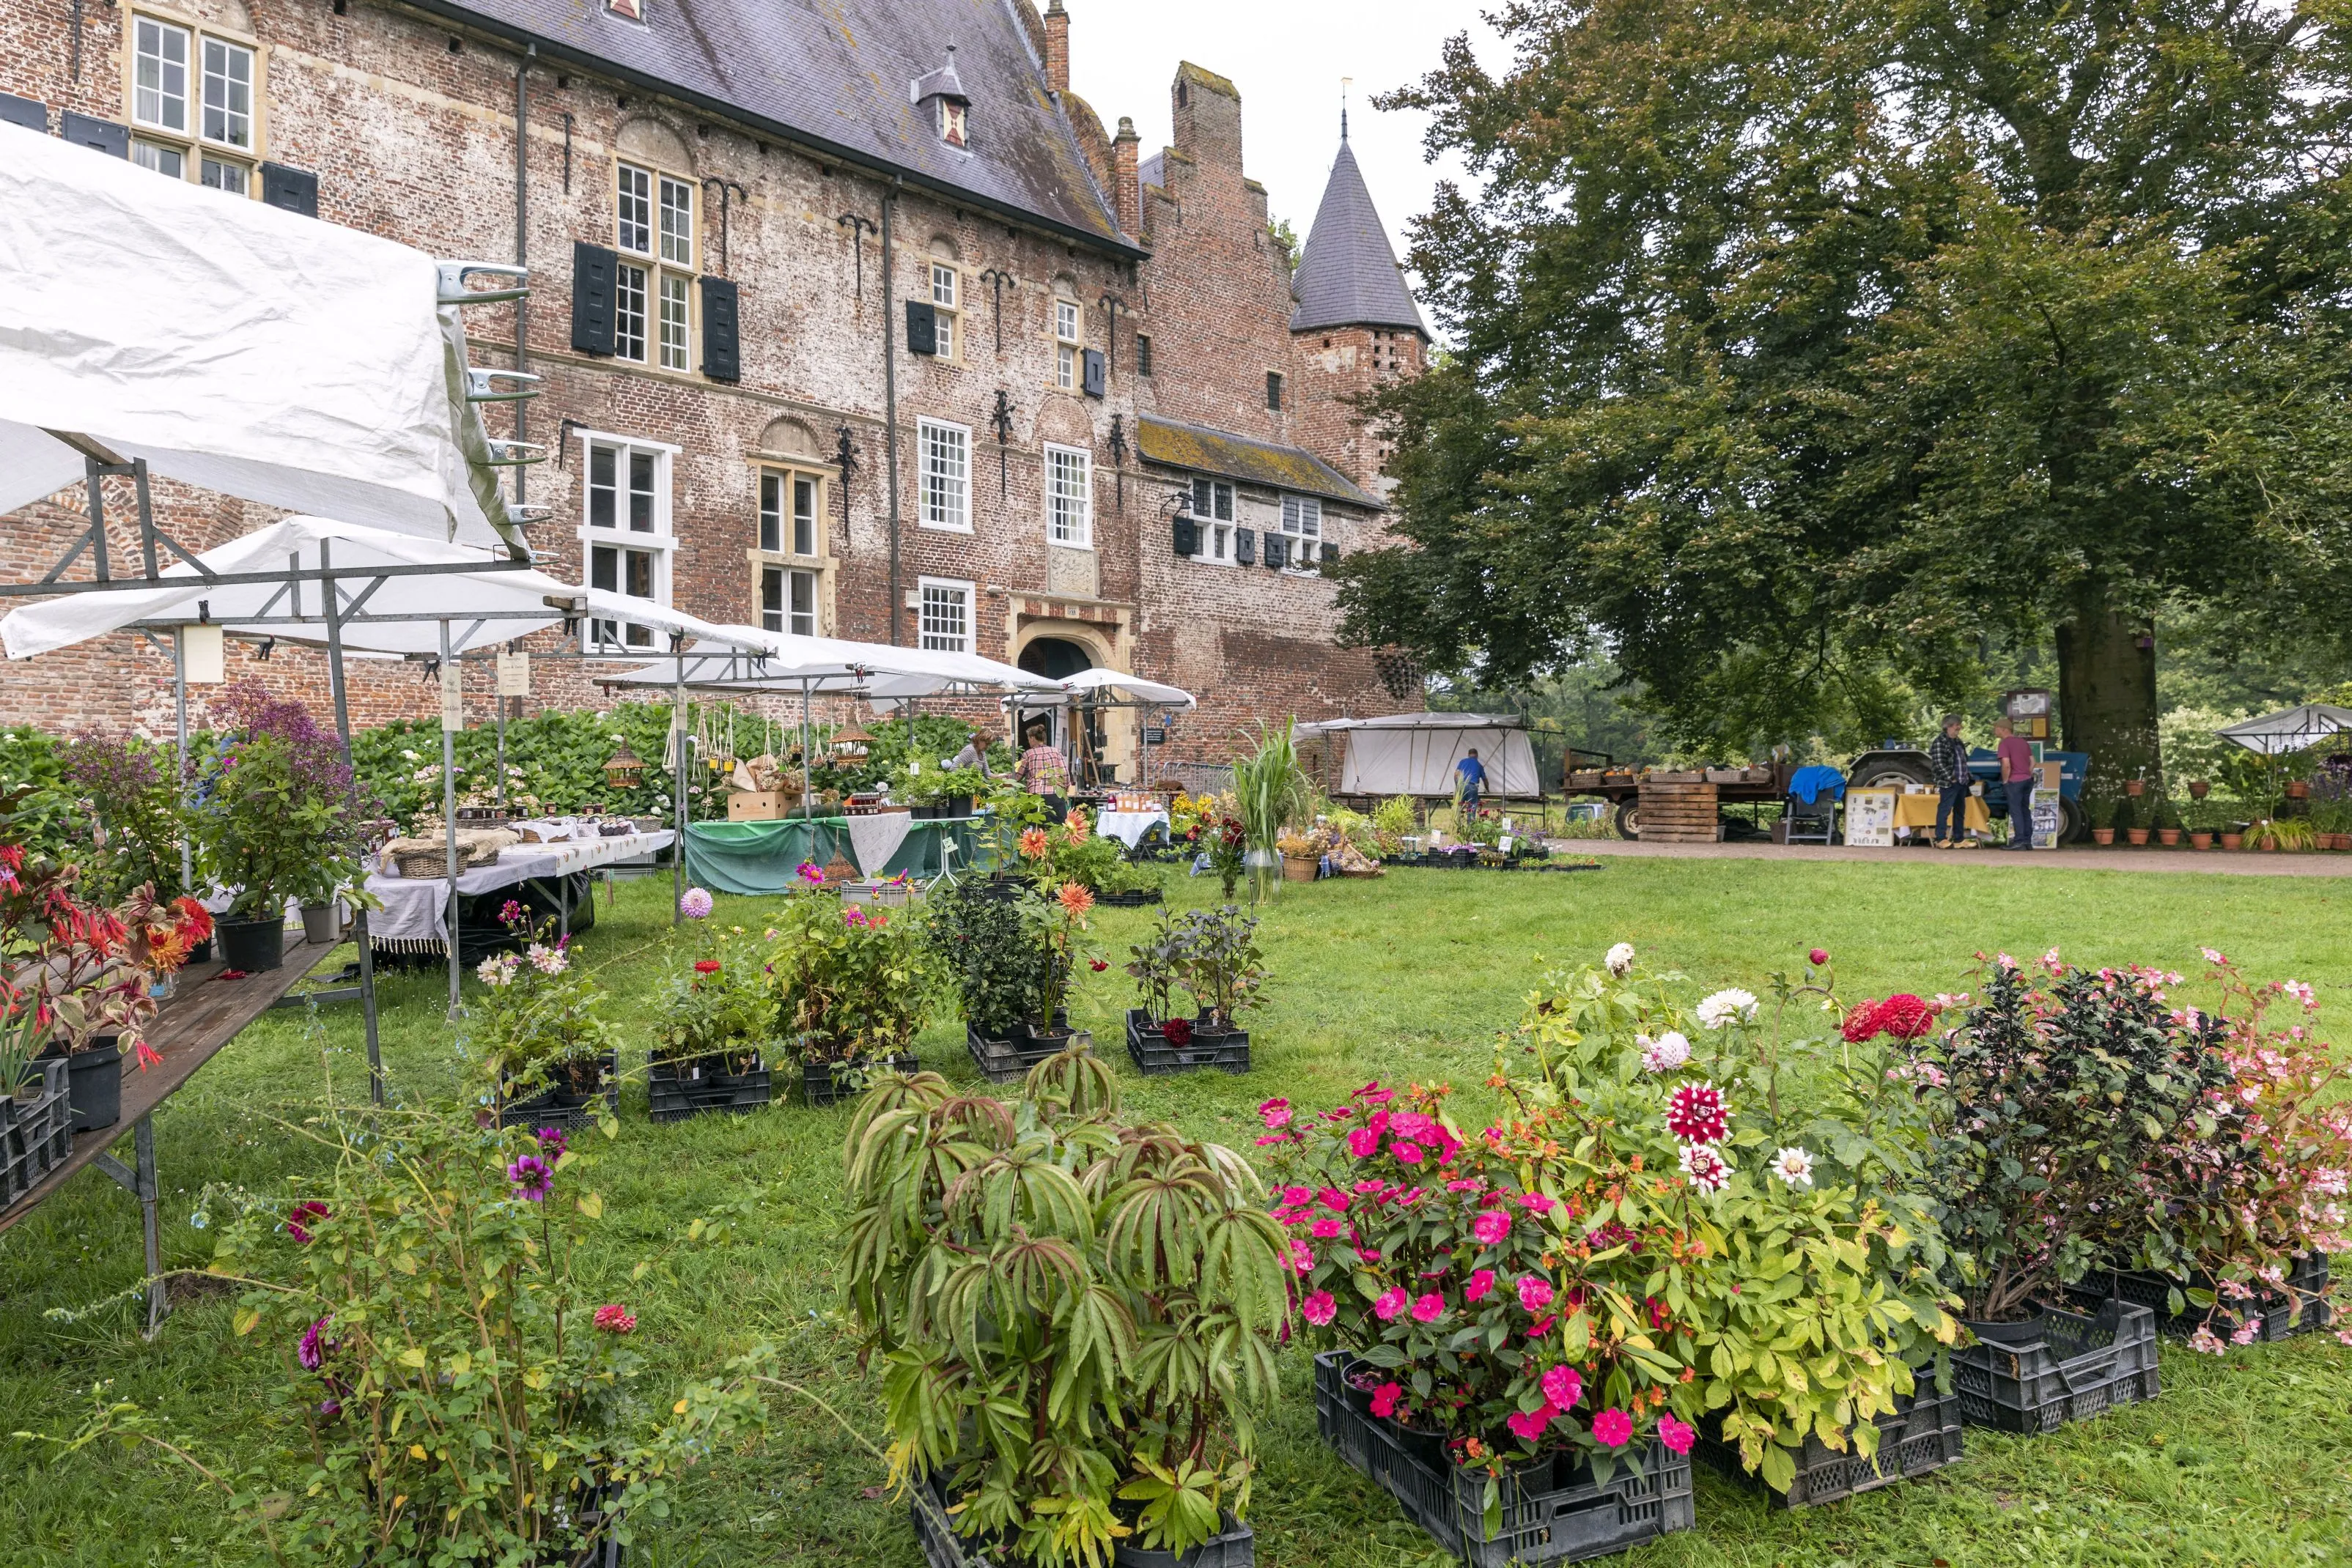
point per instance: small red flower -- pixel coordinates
(1906, 1017)
(1862, 1023)
(706, 965)
(1097, 965)
(616, 1320)
(1177, 1032)
(298, 1223)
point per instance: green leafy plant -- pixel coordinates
(1219, 961)
(1155, 963)
(1075, 1314)
(1393, 820)
(1269, 790)
(2102, 810)
(716, 1003)
(128, 786)
(995, 957)
(850, 984)
(540, 1020)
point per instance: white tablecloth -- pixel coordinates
(1128, 827)
(873, 840)
(415, 909)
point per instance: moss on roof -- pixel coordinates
(1239, 457)
(1199, 76)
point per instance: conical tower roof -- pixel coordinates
(1348, 275)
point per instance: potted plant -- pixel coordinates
(1097, 1404)
(1269, 790)
(542, 1051)
(714, 1015)
(135, 837)
(1302, 856)
(1059, 925)
(852, 988)
(990, 942)
(1213, 955)
(2199, 788)
(449, 1379)
(2103, 821)
(1220, 966)
(2126, 819)
(2168, 822)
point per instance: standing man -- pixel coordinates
(1472, 775)
(2017, 782)
(1948, 760)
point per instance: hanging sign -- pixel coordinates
(201, 656)
(514, 675)
(452, 698)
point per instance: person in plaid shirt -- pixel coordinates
(1948, 760)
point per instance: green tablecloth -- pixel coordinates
(765, 857)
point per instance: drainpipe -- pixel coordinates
(522, 259)
(890, 400)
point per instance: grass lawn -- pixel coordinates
(2246, 1461)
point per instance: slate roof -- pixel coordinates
(832, 76)
(1230, 456)
(1348, 275)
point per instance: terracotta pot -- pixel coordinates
(2298, 789)
(2201, 841)
(2233, 841)
(2137, 835)
(2168, 837)
(2199, 789)
(2102, 835)
(2269, 846)
(2134, 786)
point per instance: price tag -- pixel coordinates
(1506, 843)
(453, 698)
(514, 675)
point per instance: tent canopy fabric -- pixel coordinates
(834, 664)
(1118, 687)
(485, 607)
(1401, 755)
(232, 345)
(1414, 721)
(2290, 730)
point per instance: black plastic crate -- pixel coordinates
(1551, 1514)
(1135, 898)
(1921, 1434)
(1004, 1060)
(677, 1090)
(943, 1548)
(830, 1082)
(564, 1107)
(2057, 1367)
(2278, 1318)
(1228, 1053)
(35, 1134)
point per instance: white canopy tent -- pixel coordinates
(2290, 730)
(1089, 691)
(1120, 688)
(1415, 753)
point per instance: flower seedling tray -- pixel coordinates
(2057, 1367)
(1922, 1434)
(2146, 1288)
(830, 1082)
(563, 1106)
(1003, 1061)
(36, 1134)
(1551, 1514)
(1134, 898)
(1227, 1052)
(943, 1548)
(674, 1092)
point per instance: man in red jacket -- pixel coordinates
(2016, 781)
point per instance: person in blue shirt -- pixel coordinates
(1473, 774)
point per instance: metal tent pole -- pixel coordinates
(359, 911)
(449, 800)
(677, 784)
(180, 791)
(808, 787)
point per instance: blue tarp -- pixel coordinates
(1811, 783)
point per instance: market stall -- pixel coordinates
(1416, 753)
(1083, 697)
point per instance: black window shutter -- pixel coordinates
(103, 135)
(1188, 536)
(29, 112)
(593, 273)
(1277, 550)
(296, 190)
(1093, 373)
(722, 356)
(1245, 545)
(922, 328)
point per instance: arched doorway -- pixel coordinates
(1058, 658)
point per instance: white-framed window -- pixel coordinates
(1070, 496)
(624, 527)
(1068, 326)
(653, 297)
(945, 305)
(193, 100)
(946, 455)
(946, 621)
(1302, 525)
(790, 503)
(788, 600)
(1212, 510)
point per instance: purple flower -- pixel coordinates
(696, 905)
(510, 913)
(534, 1178)
(312, 1351)
(552, 1141)
(331, 1408)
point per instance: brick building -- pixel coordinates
(851, 320)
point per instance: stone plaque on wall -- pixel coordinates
(1070, 571)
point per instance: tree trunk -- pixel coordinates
(2106, 695)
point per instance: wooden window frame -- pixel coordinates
(192, 146)
(817, 562)
(664, 279)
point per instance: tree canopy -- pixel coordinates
(1806, 347)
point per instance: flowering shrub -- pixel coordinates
(848, 983)
(2257, 1174)
(1058, 925)
(716, 1001)
(539, 1016)
(273, 814)
(127, 785)
(1075, 1313)
(75, 971)
(2049, 1102)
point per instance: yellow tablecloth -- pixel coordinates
(1917, 811)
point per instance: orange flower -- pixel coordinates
(1033, 843)
(1076, 899)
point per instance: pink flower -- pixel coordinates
(1411, 1124)
(1817, 957)
(1481, 1283)
(1277, 1112)
(1563, 1386)
(1491, 1226)
(1390, 1305)
(1528, 1425)
(1429, 1309)
(1697, 1114)
(1318, 1309)
(1535, 1292)
(1302, 1257)
(1363, 1142)
(1612, 1427)
(1538, 1203)
(1332, 1198)
(1326, 1230)
(1296, 1196)
(1407, 1152)
(616, 1320)
(1675, 1435)
(1385, 1399)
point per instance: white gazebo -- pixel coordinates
(1416, 753)
(2289, 730)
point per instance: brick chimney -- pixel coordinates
(1126, 194)
(1057, 47)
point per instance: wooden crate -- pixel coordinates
(761, 805)
(1677, 813)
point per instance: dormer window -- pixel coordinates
(952, 121)
(944, 88)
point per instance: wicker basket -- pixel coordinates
(423, 864)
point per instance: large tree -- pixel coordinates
(1805, 345)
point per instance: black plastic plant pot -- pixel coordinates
(2057, 1367)
(677, 1090)
(2273, 1310)
(94, 1084)
(251, 945)
(1147, 1043)
(1552, 1511)
(830, 1082)
(1922, 1434)
(563, 1107)
(1233, 1547)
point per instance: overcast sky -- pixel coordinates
(1287, 56)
